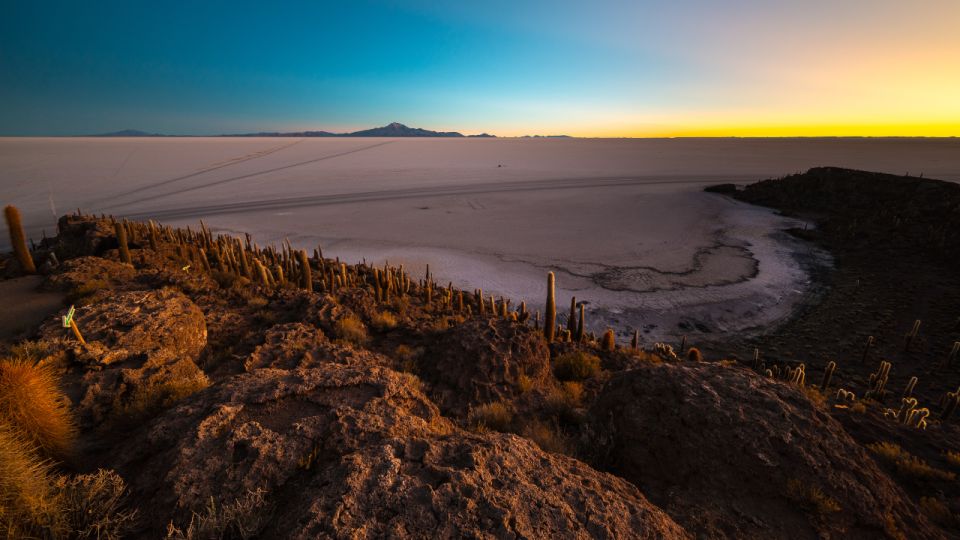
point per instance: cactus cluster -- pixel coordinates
(878, 382)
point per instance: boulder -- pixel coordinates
(141, 353)
(482, 361)
(730, 454)
(349, 452)
(298, 345)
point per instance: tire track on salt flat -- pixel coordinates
(196, 173)
(408, 193)
(248, 175)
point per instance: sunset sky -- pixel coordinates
(613, 68)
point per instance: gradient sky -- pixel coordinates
(615, 68)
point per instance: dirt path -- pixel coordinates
(24, 307)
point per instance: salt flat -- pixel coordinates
(623, 222)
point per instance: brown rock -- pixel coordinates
(90, 273)
(481, 361)
(347, 452)
(298, 345)
(729, 454)
(140, 354)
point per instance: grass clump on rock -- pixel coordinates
(576, 366)
(496, 416)
(351, 330)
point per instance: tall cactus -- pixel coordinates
(17, 238)
(550, 322)
(579, 334)
(306, 279)
(609, 342)
(827, 375)
(572, 319)
(121, 233)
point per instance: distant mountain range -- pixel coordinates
(395, 129)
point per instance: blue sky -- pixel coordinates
(584, 68)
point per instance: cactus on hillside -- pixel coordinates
(550, 320)
(306, 279)
(17, 238)
(609, 342)
(121, 233)
(827, 375)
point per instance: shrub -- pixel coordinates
(812, 497)
(576, 366)
(241, 519)
(524, 383)
(907, 464)
(383, 321)
(92, 505)
(953, 458)
(407, 356)
(351, 330)
(185, 379)
(547, 437)
(562, 403)
(496, 416)
(27, 504)
(937, 511)
(31, 402)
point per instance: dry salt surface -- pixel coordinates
(624, 223)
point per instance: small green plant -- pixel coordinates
(576, 366)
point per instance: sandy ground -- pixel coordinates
(25, 307)
(623, 222)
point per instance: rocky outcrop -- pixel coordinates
(140, 353)
(88, 274)
(729, 454)
(344, 451)
(482, 361)
(298, 345)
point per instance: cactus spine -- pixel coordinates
(550, 321)
(17, 238)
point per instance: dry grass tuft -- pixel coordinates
(576, 366)
(241, 519)
(92, 505)
(383, 321)
(548, 438)
(524, 383)
(953, 458)
(32, 403)
(407, 356)
(907, 464)
(815, 395)
(351, 330)
(184, 380)
(496, 416)
(812, 497)
(937, 511)
(27, 502)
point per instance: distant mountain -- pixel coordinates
(128, 133)
(395, 129)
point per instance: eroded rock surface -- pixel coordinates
(730, 454)
(140, 353)
(360, 452)
(298, 345)
(482, 361)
